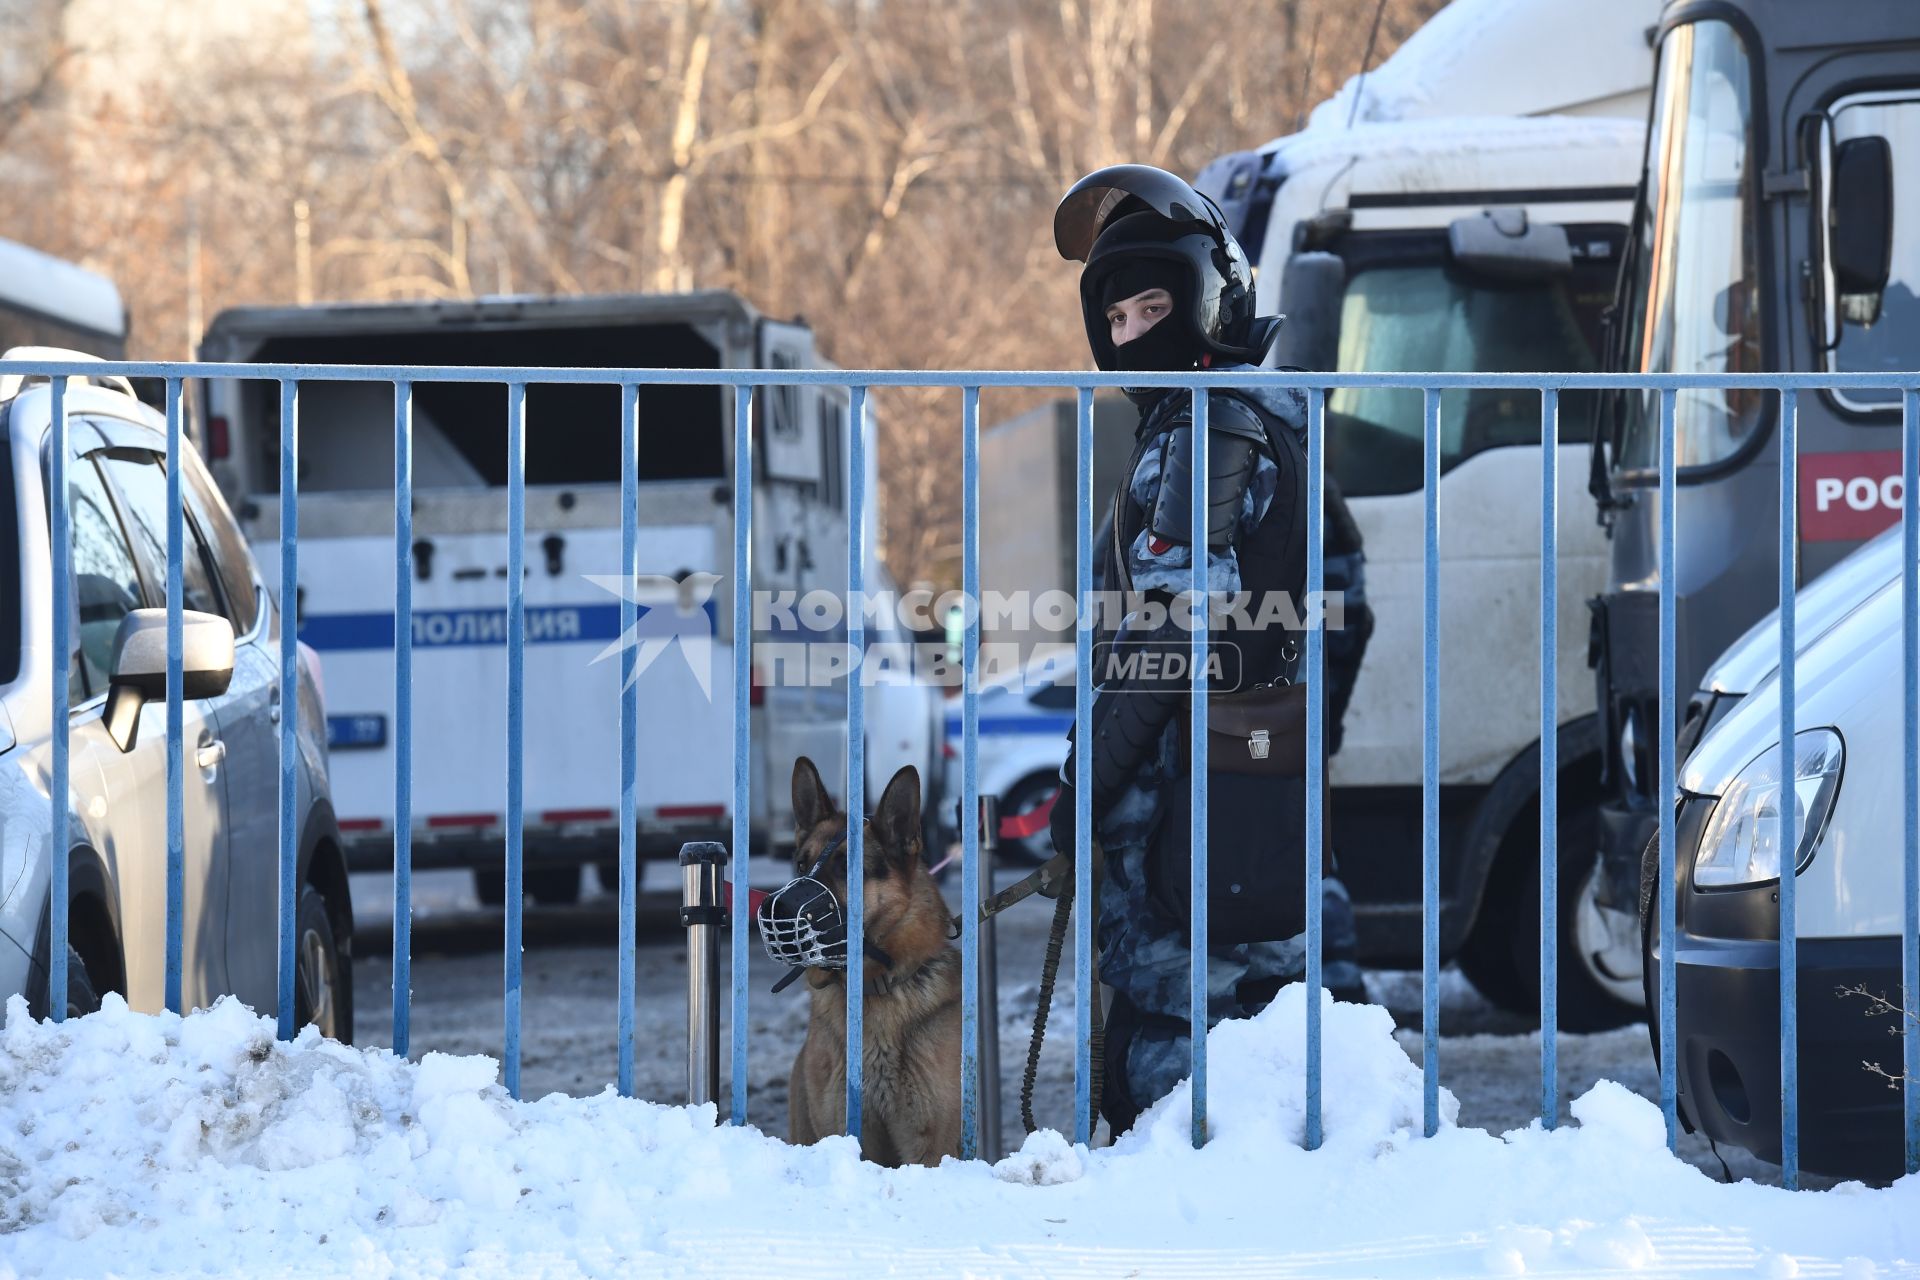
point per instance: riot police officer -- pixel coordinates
(1165, 287)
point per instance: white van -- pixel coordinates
(345, 599)
(1371, 230)
(1849, 791)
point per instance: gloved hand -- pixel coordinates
(1060, 822)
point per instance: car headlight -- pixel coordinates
(1742, 841)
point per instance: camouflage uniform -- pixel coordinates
(1144, 954)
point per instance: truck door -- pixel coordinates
(1849, 476)
(800, 547)
(902, 728)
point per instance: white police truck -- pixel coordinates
(345, 596)
(1462, 209)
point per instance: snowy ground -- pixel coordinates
(1489, 1059)
(138, 1144)
(133, 1144)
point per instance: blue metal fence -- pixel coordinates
(859, 383)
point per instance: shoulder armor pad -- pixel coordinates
(1233, 416)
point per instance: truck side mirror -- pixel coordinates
(1504, 244)
(1312, 285)
(1860, 216)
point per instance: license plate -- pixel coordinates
(349, 732)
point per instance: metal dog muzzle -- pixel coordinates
(802, 923)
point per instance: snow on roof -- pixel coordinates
(1458, 135)
(1507, 57)
(57, 288)
(155, 1143)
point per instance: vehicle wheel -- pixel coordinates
(82, 998)
(1486, 957)
(553, 886)
(322, 982)
(550, 886)
(81, 993)
(1598, 954)
(1028, 794)
(490, 885)
(1649, 963)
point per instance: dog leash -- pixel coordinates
(1049, 972)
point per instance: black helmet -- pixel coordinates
(1092, 225)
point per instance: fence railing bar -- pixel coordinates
(1430, 774)
(1910, 936)
(1085, 905)
(742, 741)
(1316, 738)
(61, 696)
(1669, 1078)
(628, 854)
(516, 720)
(402, 716)
(176, 706)
(1549, 758)
(970, 1136)
(289, 692)
(1083, 891)
(961, 378)
(1790, 838)
(856, 756)
(1197, 841)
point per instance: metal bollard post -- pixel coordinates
(989, 1019)
(702, 914)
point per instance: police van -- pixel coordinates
(344, 601)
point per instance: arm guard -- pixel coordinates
(1235, 438)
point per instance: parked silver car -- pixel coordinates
(116, 680)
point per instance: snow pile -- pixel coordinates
(136, 1144)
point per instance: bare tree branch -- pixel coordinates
(17, 107)
(396, 91)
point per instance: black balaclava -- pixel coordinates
(1137, 263)
(1169, 346)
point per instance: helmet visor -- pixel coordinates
(1106, 194)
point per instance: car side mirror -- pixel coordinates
(1504, 244)
(1860, 216)
(1312, 287)
(140, 665)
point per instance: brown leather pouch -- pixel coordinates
(1261, 731)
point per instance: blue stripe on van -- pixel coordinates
(463, 628)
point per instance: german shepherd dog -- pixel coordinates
(911, 1018)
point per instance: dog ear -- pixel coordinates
(898, 817)
(811, 803)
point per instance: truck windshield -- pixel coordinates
(1881, 332)
(1408, 309)
(1692, 284)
